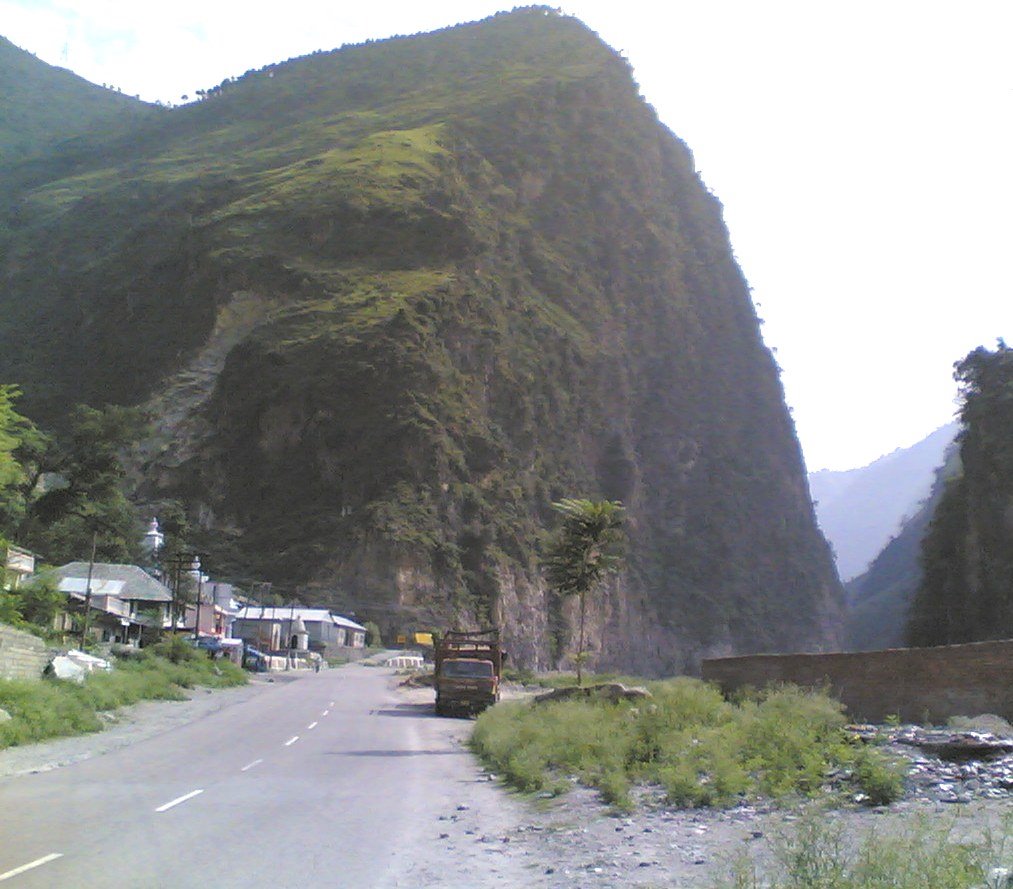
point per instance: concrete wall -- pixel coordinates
(917, 684)
(22, 655)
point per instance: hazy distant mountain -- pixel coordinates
(879, 600)
(860, 509)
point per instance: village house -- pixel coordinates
(127, 604)
(277, 629)
(15, 565)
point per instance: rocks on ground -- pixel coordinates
(949, 766)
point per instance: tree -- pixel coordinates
(84, 490)
(22, 447)
(583, 551)
(40, 601)
(373, 637)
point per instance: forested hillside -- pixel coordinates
(41, 105)
(966, 590)
(386, 304)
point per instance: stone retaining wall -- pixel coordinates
(916, 684)
(22, 655)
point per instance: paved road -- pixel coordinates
(329, 780)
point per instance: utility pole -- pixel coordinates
(179, 562)
(87, 588)
(200, 591)
(291, 624)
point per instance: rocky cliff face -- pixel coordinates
(388, 303)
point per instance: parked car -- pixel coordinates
(254, 660)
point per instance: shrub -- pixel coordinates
(790, 738)
(877, 776)
(177, 649)
(816, 854)
(701, 749)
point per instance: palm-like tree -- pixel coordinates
(584, 549)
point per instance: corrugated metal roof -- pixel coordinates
(99, 586)
(137, 584)
(316, 615)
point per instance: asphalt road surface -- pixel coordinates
(332, 780)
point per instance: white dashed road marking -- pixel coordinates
(291, 740)
(45, 859)
(178, 800)
(313, 725)
(249, 766)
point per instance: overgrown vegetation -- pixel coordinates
(817, 854)
(53, 708)
(966, 590)
(701, 749)
(59, 493)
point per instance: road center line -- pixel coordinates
(325, 712)
(250, 765)
(313, 725)
(45, 859)
(178, 800)
(291, 740)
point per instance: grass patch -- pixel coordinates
(702, 749)
(817, 855)
(53, 708)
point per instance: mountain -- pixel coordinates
(41, 105)
(879, 600)
(966, 588)
(387, 303)
(860, 509)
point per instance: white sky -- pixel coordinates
(863, 151)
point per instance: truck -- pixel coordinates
(468, 667)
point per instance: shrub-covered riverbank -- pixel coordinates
(701, 749)
(53, 708)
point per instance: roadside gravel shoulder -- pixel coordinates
(575, 841)
(125, 726)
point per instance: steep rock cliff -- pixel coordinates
(388, 303)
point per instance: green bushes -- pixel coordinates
(53, 708)
(818, 855)
(701, 749)
(177, 650)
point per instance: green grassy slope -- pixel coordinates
(41, 105)
(488, 278)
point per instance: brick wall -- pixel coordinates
(913, 683)
(22, 655)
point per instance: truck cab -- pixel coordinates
(468, 667)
